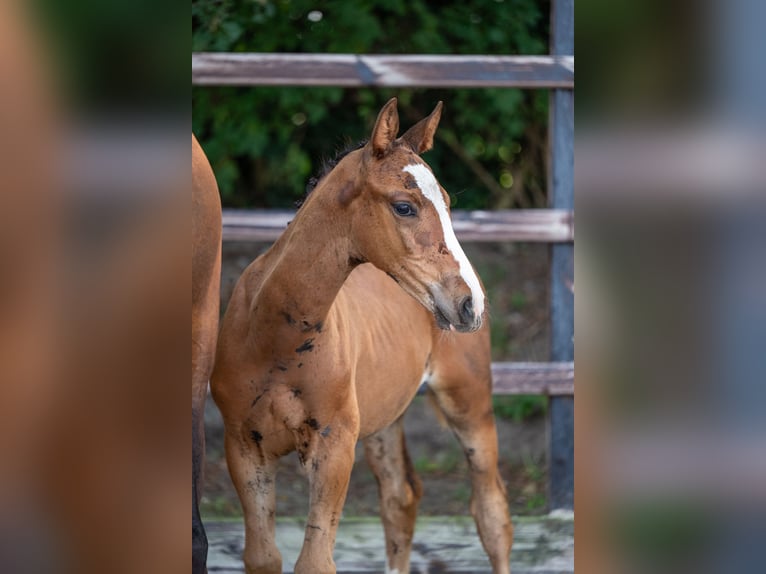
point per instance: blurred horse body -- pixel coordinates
(206, 279)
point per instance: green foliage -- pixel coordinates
(518, 300)
(264, 143)
(220, 506)
(118, 58)
(440, 463)
(536, 502)
(519, 407)
(662, 533)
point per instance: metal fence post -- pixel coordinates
(561, 196)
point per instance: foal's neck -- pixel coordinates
(306, 267)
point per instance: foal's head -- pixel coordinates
(400, 222)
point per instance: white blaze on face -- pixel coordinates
(430, 188)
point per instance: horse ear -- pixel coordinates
(420, 137)
(386, 128)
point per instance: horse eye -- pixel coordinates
(404, 209)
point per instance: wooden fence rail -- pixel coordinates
(352, 70)
(552, 379)
(538, 225)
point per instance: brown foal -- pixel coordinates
(327, 338)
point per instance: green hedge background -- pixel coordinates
(265, 142)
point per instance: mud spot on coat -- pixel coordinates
(306, 326)
(288, 318)
(312, 422)
(307, 345)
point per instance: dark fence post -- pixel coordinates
(561, 196)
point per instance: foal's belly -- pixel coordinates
(382, 396)
(392, 335)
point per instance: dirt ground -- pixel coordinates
(516, 280)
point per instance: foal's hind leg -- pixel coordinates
(254, 479)
(399, 489)
(462, 391)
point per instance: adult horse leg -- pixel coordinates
(463, 393)
(254, 478)
(204, 332)
(199, 538)
(328, 460)
(399, 492)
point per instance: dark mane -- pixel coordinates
(327, 167)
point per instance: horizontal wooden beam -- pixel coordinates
(538, 225)
(351, 70)
(533, 378)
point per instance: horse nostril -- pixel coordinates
(466, 309)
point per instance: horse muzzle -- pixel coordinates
(458, 315)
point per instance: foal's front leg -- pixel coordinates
(328, 456)
(254, 477)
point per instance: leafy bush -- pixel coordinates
(519, 407)
(265, 142)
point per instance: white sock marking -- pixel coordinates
(430, 188)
